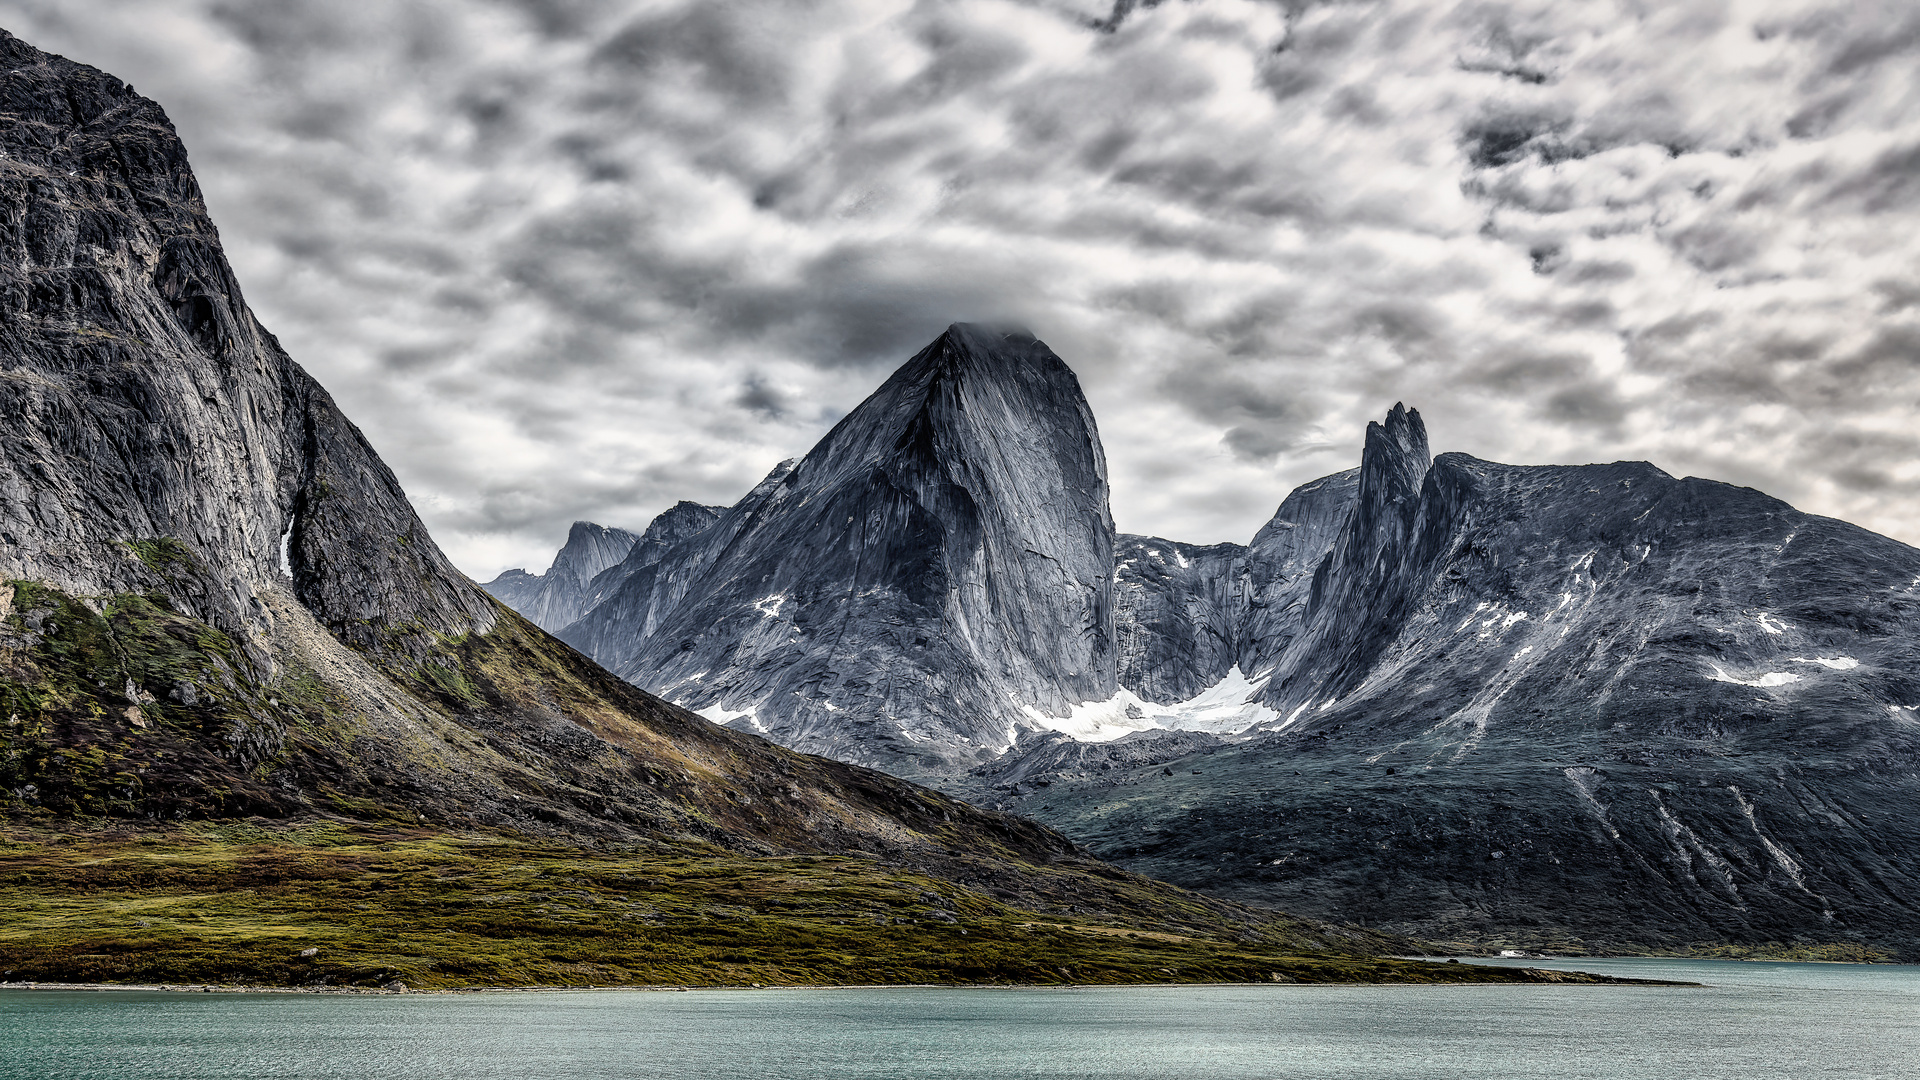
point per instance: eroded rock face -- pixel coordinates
(141, 399)
(1187, 616)
(1281, 564)
(939, 563)
(1179, 612)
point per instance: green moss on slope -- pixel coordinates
(240, 904)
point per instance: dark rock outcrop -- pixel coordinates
(941, 562)
(1043, 759)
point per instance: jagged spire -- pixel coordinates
(1396, 459)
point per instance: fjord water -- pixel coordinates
(1751, 1019)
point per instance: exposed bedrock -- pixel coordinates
(938, 568)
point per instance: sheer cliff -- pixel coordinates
(557, 597)
(937, 566)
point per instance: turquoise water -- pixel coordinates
(1790, 1020)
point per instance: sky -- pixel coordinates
(568, 260)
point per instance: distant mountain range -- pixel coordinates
(1591, 706)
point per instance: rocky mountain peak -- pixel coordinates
(940, 562)
(591, 548)
(228, 466)
(981, 348)
(1394, 462)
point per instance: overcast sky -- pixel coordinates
(564, 259)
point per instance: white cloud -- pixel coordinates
(580, 260)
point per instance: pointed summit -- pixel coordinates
(1393, 464)
(591, 548)
(940, 563)
(1360, 585)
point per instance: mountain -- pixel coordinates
(1567, 707)
(593, 563)
(555, 598)
(1591, 707)
(930, 576)
(236, 669)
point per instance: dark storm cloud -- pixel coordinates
(573, 259)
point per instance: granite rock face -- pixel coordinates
(1564, 707)
(940, 563)
(1178, 612)
(1188, 616)
(663, 536)
(1281, 563)
(1362, 588)
(141, 399)
(554, 599)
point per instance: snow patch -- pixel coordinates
(770, 606)
(1182, 559)
(1225, 708)
(1468, 621)
(286, 551)
(1837, 663)
(720, 714)
(1768, 623)
(1770, 679)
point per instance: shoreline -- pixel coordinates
(343, 991)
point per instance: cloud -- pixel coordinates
(580, 260)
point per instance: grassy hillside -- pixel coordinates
(241, 903)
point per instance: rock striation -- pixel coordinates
(107, 261)
(1178, 613)
(934, 572)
